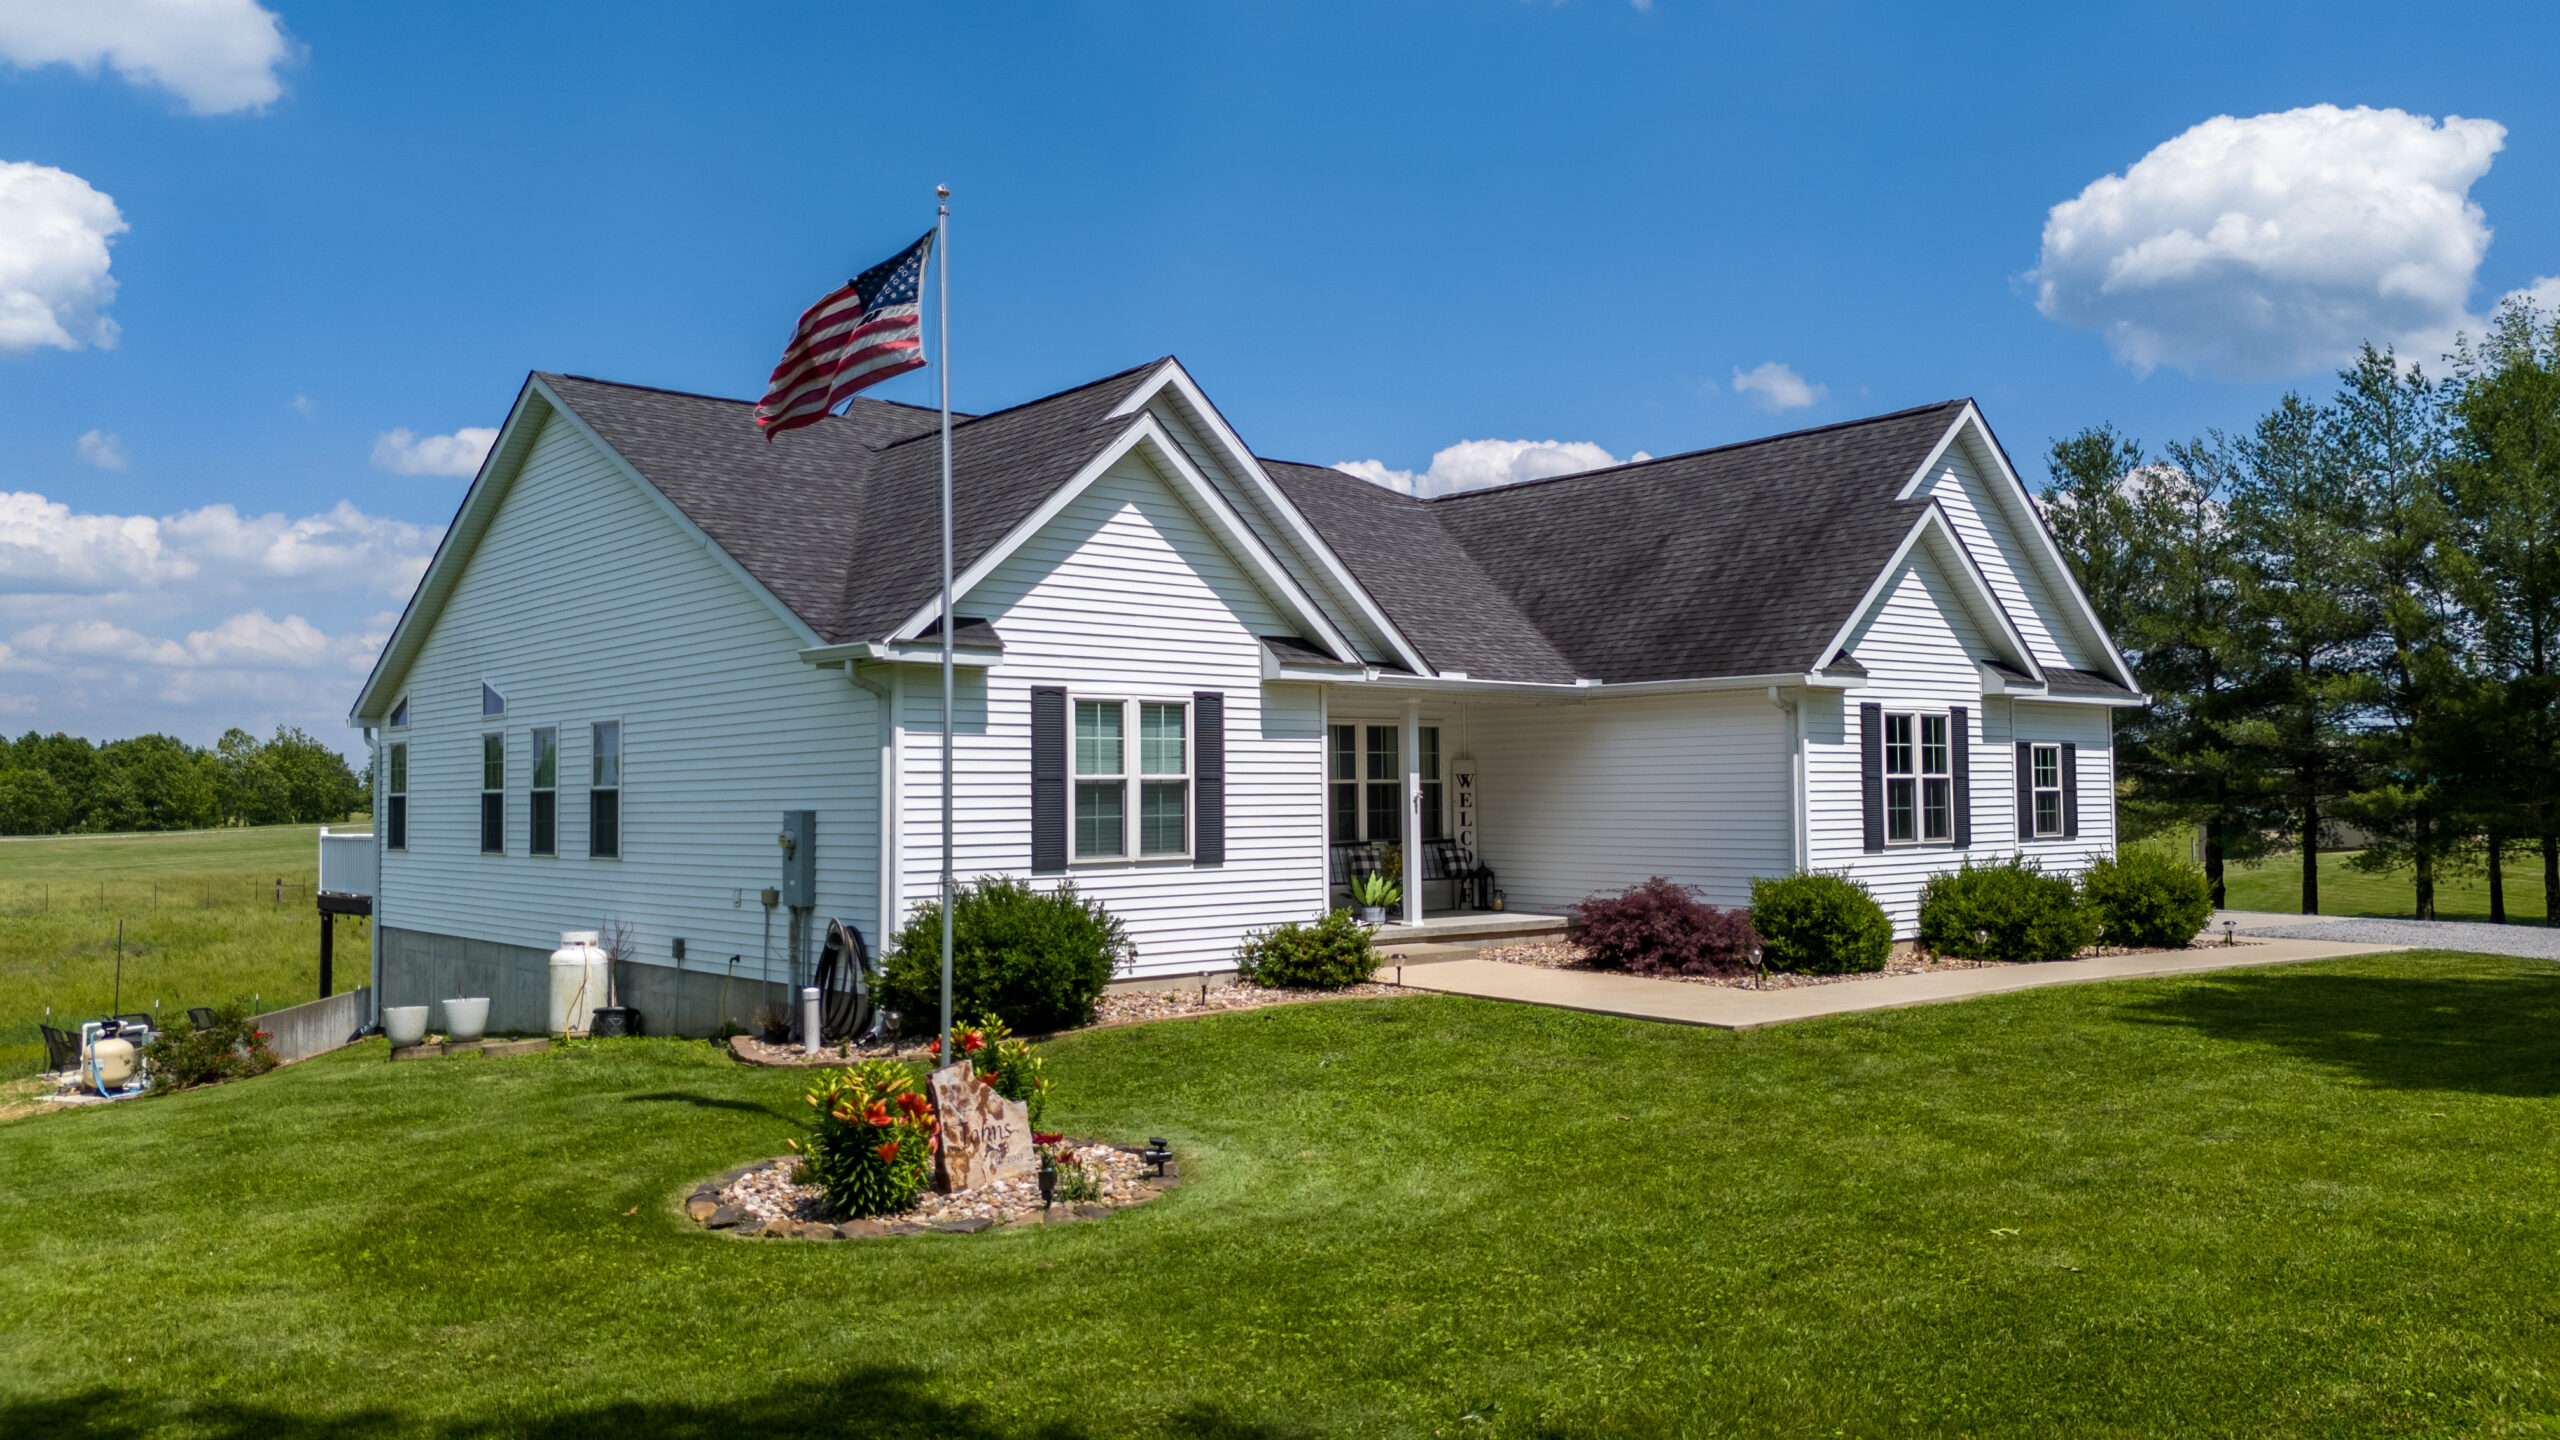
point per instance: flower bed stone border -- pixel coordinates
(704, 1207)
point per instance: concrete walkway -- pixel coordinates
(1681, 1003)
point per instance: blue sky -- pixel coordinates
(1374, 232)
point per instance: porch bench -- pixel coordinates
(1444, 862)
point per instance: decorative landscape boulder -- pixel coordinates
(985, 1137)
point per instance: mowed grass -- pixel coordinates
(2312, 1200)
(2276, 884)
(201, 920)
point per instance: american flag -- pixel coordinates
(856, 337)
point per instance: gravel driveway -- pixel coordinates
(2531, 941)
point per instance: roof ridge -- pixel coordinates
(1039, 400)
(715, 399)
(1685, 454)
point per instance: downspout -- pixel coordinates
(884, 699)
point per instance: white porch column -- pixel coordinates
(1412, 812)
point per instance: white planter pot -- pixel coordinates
(466, 1020)
(405, 1025)
(1373, 915)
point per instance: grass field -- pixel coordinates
(2276, 884)
(201, 924)
(2315, 1200)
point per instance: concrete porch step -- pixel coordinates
(1472, 928)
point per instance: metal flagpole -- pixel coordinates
(942, 304)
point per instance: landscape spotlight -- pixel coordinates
(1156, 1153)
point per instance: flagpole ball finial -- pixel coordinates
(942, 192)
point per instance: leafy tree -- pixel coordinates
(32, 802)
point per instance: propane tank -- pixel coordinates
(579, 971)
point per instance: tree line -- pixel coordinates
(2348, 612)
(58, 783)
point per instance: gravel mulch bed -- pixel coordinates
(768, 1193)
(1128, 1006)
(1566, 955)
(2529, 942)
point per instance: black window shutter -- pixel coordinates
(1871, 774)
(2070, 790)
(1048, 779)
(1209, 778)
(1961, 761)
(2026, 791)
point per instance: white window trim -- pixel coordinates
(481, 763)
(1359, 725)
(2061, 802)
(1133, 781)
(1918, 777)
(621, 786)
(532, 775)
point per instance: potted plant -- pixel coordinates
(1374, 892)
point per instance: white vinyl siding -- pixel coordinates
(593, 605)
(1601, 794)
(1991, 536)
(1127, 594)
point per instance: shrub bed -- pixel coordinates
(183, 1057)
(870, 1145)
(2146, 900)
(1328, 955)
(1817, 924)
(1003, 1061)
(1661, 928)
(1036, 958)
(2009, 911)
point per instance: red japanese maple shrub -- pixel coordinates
(1662, 928)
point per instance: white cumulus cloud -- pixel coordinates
(217, 56)
(102, 450)
(54, 232)
(1774, 387)
(2270, 246)
(406, 452)
(1475, 464)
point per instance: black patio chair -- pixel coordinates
(61, 1049)
(200, 1016)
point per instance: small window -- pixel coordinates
(396, 809)
(2047, 767)
(543, 831)
(1164, 779)
(1429, 743)
(604, 792)
(1343, 781)
(493, 794)
(492, 704)
(400, 715)
(1102, 783)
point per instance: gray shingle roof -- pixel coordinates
(1741, 560)
(841, 520)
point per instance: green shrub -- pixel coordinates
(1327, 955)
(2010, 910)
(1819, 924)
(870, 1144)
(1003, 1060)
(182, 1057)
(2147, 900)
(1037, 958)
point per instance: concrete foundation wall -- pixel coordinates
(422, 968)
(317, 1027)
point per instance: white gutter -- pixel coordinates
(1793, 680)
(894, 653)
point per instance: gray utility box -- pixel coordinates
(799, 858)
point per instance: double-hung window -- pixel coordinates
(2045, 768)
(544, 809)
(604, 789)
(1164, 779)
(1104, 778)
(1385, 789)
(1919, 780)
(493, 794)
(396, 788)
(1364, 783)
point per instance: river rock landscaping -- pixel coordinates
(764, 1199)
(1566, 955)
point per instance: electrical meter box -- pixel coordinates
(799, 858)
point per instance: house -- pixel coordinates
(1203, 686)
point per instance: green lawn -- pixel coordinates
(201, 924)
(2276, 884)
(2315, 1200)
